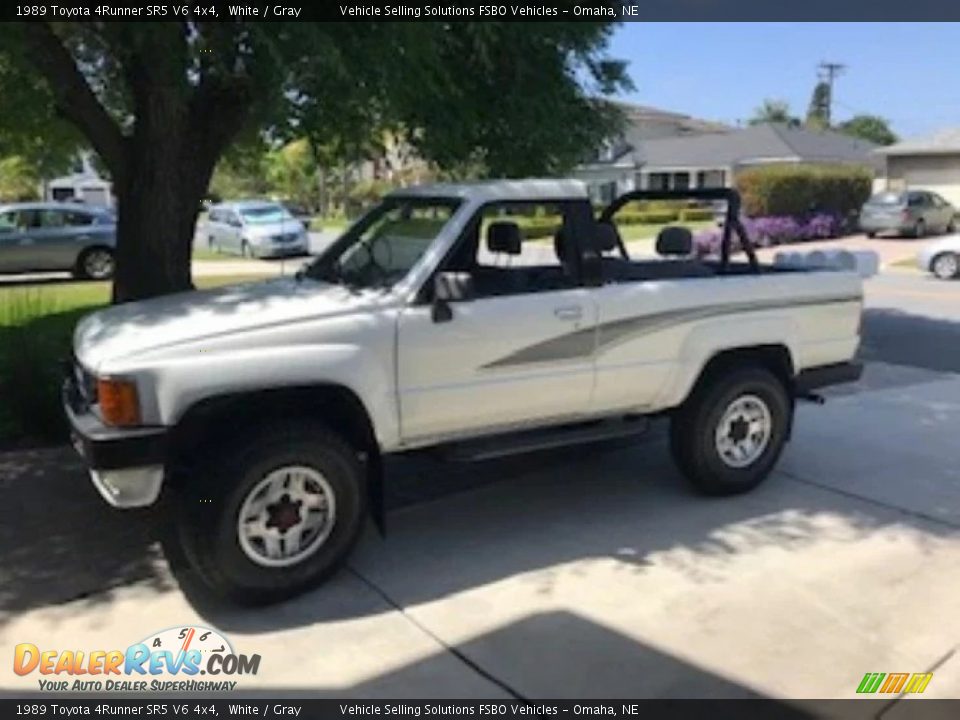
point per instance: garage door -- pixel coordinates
(939, 174)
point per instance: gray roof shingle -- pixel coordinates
(759, 143)
(946, 141)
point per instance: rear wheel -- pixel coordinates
(871, 234)
(920, 229)
(946, 266)
(729, 434)
(273, 520)
(95, 264)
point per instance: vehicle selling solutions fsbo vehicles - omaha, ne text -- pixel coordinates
(444, 319)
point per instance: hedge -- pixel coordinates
(696, 214)
(797, 190)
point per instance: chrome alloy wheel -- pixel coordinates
(286, 517)
(744, 431)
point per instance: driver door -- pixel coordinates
(519, 353)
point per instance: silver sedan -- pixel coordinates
(38, 237)
(942, 258)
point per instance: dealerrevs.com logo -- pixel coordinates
(171, 660)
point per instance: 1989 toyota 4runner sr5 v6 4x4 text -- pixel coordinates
(449, 317)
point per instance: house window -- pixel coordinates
(608, 191)
(658, 181)
(668, 181)
(711, 179)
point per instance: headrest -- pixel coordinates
(504, 236)
(675, 240)
(607, 237)
(561, 245)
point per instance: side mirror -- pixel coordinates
(450, 287)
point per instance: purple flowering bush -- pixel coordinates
(772, 230)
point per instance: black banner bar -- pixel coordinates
(471, 10)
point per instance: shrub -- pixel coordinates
(797, 190)
(35, 334)
(658, 217)
(696, 214)
(773, 230)
(18, 180)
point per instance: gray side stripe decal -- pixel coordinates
(580, 343)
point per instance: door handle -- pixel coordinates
(570, 312)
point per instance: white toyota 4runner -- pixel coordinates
(481, 319)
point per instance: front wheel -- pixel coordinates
(946, 266)
(728, 435)
(268, 522)
(95, 264)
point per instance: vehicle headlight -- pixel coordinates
(119, 402)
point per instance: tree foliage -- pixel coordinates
(818, 114)
(161, 103)
(774, 112)
(872, 128)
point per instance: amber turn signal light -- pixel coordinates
(119, 404)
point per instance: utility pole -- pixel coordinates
(827, 72)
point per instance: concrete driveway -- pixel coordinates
(581, 573)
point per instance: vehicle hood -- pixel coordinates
(950, 242)
(133, 328)
(283, 227)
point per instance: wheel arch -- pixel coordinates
(775, 357)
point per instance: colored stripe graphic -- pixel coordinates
(870, 682)
(918, 683)
(894, 683)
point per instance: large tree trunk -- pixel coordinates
(157, 207)
(167, 171)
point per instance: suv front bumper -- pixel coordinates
(126, 464)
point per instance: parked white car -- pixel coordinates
(255, 228)
(261, 413)
(942, 258)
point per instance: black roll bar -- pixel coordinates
(731, 222)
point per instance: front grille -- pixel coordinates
(285, 238)
(80, 386)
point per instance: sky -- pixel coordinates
(908, 73)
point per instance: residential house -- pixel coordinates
(930, 163)
(83, 185)
(712, 159)
(612, 168)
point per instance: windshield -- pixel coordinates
(382, 247)
(263, 214)
(886, 198)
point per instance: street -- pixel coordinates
(577, 573)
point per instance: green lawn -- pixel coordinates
(335, 224)
(644, 231)
(203, 255)
(36, 326)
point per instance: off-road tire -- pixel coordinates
(693, 429)
(209, 505)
